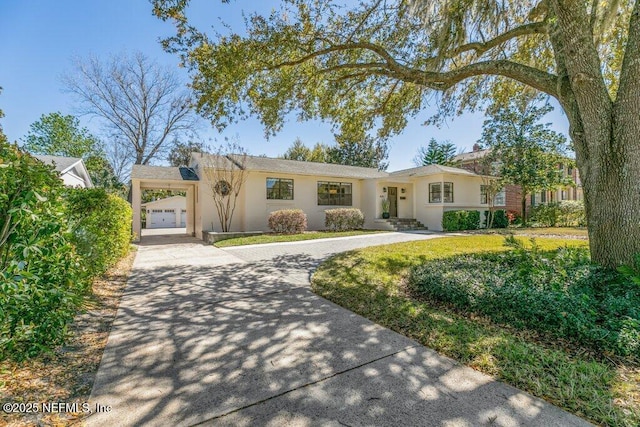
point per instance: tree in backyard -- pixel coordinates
(143, 105)
(224, 174)
(57, 134)
(524, 151)
(298, 151)
(436, 153)
(180, 154)
(377, 63)
(358, 150)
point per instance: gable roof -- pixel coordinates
(432, 170)
(67, 166)
(297, 167)
(62, 164)
(182, 198)
(163, 172)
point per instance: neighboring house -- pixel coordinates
(71, 169)
(422, 193)
(170, 212)
(511, 196)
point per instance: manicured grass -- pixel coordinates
(575, 232)
(370, 282)
(276, 238)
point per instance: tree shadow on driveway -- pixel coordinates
(245, 344)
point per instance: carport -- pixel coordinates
(163, 178)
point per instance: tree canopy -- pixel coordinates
(377, 64)
(527, 153)
(57, 134)
(435, 153)
(363, 151)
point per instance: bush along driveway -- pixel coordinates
(236, 337)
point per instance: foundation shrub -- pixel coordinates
(343, 219)
(288, 221)
(460, 220)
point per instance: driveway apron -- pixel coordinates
(205, 336)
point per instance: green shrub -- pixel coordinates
(567, 213)
(500, 219)
(101, 227)
(556, 292)
(343, 219)
(42, 280)
(460, 220)
(288, 221)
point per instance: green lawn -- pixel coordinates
(370, 283)
(275, 238)
(573, 232)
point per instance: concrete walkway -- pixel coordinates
(235, 337)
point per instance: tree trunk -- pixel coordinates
(605, 132)
(524, 208)
(612, 200)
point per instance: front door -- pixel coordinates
(393, 201)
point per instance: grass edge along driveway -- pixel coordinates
(279, 238)
(370, 282)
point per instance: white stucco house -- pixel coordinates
(421, 193)
(170, 212)
(72, 170)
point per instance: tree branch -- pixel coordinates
(481, 47)
(538, 79)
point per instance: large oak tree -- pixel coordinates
(378, 63)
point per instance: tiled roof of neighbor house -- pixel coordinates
(267, 164)
(432, 170)
(473, 155)
(163, 173)
(61, 163)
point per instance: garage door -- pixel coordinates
(161, 218)
(183, 218)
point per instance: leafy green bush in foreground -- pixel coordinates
(460, 220)
(557, 292)
(101, 227)
(41, 277)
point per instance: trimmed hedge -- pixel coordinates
(288, 221)
(343, 219)
(567, 213)
(500, 219)
(557, 292)
(42, 279)
(101, 227)
(460, 220)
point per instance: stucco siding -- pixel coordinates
(305, 197)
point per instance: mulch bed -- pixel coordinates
(67, 374)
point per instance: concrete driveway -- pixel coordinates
(235, 337)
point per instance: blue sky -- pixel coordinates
(39, 37)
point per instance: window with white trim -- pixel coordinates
(441, 192)
(500, 198)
